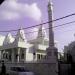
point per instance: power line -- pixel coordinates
(43, 23)
(52, 27)
(64, 24)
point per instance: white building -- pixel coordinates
(19, 49)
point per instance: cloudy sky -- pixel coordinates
(24, 13)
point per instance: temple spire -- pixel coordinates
(40, 31)
(51, 34)
(20, 37)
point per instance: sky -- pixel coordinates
(25, 13)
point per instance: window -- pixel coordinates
(22, 53)
(5, 56)
(41, 56)
(9, 57)
(22, 56)
(16, 56)
(38, 56)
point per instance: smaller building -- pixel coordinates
(69, 50)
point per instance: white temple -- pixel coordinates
(41, 49)
(19, 49)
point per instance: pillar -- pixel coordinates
(1, 54)
(25, 55)
(18, 57)
(13, 56)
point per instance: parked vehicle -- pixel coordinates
(19, 71)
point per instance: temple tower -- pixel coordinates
(51, 50)
(51, 33)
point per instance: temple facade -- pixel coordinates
(19, 49)
(41, 49)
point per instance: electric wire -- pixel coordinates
(41, 23)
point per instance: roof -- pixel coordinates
(8, 39)
(19, 41)
(20, 37)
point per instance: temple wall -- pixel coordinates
(37, 68)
